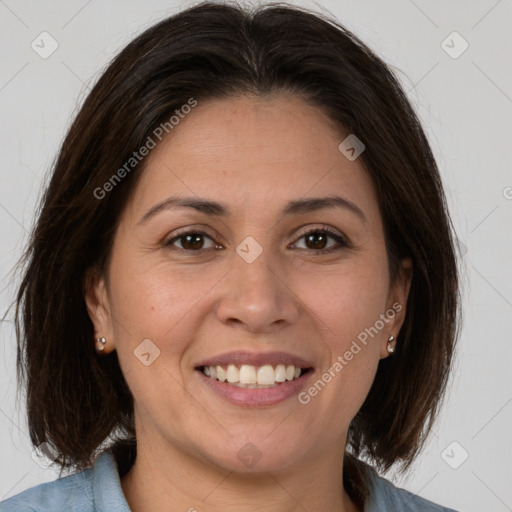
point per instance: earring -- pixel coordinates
(100, 344)
(391, 344)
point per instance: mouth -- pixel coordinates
(255, 379)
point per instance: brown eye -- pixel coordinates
(192, 241)
(318, 240)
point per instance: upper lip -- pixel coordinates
(255, 359)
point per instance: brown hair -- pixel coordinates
(76, 400)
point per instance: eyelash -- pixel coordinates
(342, 243)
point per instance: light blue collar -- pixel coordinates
(106, 485)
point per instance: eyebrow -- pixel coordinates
(294, 207)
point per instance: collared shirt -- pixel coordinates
(98, 489)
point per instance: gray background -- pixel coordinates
(465, 104)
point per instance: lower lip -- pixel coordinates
(253, 397)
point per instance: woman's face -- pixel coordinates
(249, 285)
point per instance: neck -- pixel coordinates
(161, 480)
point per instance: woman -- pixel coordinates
(242, 280)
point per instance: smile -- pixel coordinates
(255, 379)
(251, 377)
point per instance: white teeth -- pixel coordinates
(233, 373)
(221, 373)
(249, 376)
(281, 372)
(266, 375)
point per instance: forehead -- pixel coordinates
(252, 151)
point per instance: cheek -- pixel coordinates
(346, 300)
(153, 317)
(346, 304)
(161, 302)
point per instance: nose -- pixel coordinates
(257, 298)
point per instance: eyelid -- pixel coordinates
(192, 229)
(321, 227)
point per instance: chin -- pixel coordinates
(256, 453)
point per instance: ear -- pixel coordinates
(397, 304)
(98, 307)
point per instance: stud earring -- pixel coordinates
(391, 344)
(100, 344)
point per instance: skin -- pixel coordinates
(253, 155)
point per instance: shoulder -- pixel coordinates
(72, 492)
(97, 488)
(384, 496)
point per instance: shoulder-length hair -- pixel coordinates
(78, 401)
